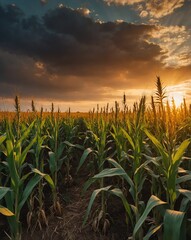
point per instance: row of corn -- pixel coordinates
(140, 156)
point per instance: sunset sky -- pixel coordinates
(79, 53)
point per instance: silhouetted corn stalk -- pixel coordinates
(18, 115)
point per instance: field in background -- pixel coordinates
(125, 173)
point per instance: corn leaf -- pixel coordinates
(110, 172)
(174, 225)
(87, 184)
(185, 204)
(153, 202)
(181, 149)
(74, 145)
(93, 196)
(3, 191)
(2, 138)
(28, 189)
(117, 192)
(45, 176)
(24, 135)
(25, 151)
(125, 175)
(160, 148)
(11, 163)
(152, 231)
(183, 179)
(185, 192)
(85, 154)
(5, 211)
(52, 162)
(129, 139)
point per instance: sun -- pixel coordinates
(177, 96)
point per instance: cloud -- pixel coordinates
(144, 13)
(43, 2)
(122, 2)
(179, 91)
(71, 43)
(158, 9)
(67, 56)
(151, 8)
(174, 42)
(84, 11)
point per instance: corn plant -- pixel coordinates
(168, 168)
(99, 157)
(37, 150)
(55, 159)
(138, 172)
(170, 162)
(20, 190)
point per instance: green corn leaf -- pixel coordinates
(87, 151)
(152, 231)
(153, 202)
(183, 179)
(2, 138)
(45, 176)
(117, 192)
(93, 196)
(9, 146)
(3, 149)
(3, 191)
(174, 225)
(69, 144)
(129, 138)
(25, 151)
(28, 189)
(143, 165)
(125, 175)
(142, 180)
(110, 172)
(52, 162)
(60, 150)
(87, 184)
(12, 164)
(9, 199)
(185, 192)
(60, 162)
(160, 148)
(49, 181)
(185, 204)
(24, 136)
(114, 135)
(5, 211)
(181, 149)
(24, 178)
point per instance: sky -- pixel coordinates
(79, 53)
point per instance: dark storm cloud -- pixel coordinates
(65, 54)
(66, 36)
(43, 2)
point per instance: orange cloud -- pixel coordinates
(122, 2)
(152, 8)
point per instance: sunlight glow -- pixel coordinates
(177, 96)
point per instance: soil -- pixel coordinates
(68, 226)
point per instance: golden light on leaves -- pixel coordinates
(5, 211)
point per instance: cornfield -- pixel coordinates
(137, 158)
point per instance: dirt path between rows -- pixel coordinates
(68, 226)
